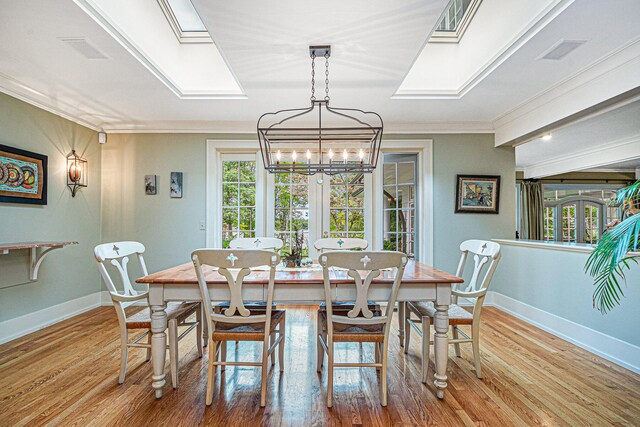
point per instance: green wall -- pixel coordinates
(67, 273)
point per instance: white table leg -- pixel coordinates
(159, 337)
(441, 344)
(401, 313)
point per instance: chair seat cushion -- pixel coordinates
(175, 310)
(457, 314)
(229, 331)
(343, 332)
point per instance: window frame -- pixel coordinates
(183, 36)
(579, 202)
(441, 36)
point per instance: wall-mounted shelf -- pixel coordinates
(35, 256)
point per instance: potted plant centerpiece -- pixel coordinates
(294, 257)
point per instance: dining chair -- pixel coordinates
(237, 322)
(361, 323)
(269, 243)
(339, 243)
(485, 254)
(117, 254)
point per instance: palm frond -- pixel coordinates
(610, 259)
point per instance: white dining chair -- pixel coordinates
(237, 322)
(269, 243)
(339, 244)
(360, 323)
(485, 254)
(117, 254)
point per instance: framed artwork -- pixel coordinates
(175, 185)
(23, 176)
(477, 194)
(151, 184)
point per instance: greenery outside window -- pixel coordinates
(238, 200)
(291, 210)
(346, 205)
(399, 203)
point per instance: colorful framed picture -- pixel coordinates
(477, 194)
(23, 176)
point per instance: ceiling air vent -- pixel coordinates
(83, 47)
(561, 49)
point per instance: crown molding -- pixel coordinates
(614, 152)
(21, 91)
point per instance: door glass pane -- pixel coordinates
(399, 204)
(346, 205)
(291, 208)
(591, 223)
(569, 223)
(549, 221)
(238, 200)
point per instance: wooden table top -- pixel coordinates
(30, 245)
(414, 272)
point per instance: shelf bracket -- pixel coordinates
(35, 260)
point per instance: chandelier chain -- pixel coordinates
(313, 77)
(326, 77)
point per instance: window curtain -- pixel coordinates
(531, 210)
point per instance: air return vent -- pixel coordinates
(83, 47)
(561, 49)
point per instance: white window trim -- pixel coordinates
(183, 36)
(373, 216)
(455, 36)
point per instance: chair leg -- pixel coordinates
(475, 343)
(454, 335)
(124, 353)
(281, 334)
(402, 328)
(223, 354)
(407, 329)
(211, 372)
(383, 374)
(426, 338)
(173, 351)
(148, 356)
(319, 344)
(199, 336)
(272, 339)
(205, 327)
(330, 374)
(265, 372)
(377, 353)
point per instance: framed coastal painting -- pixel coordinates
(477, 194)
(23, 176)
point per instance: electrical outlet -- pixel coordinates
(202, 225)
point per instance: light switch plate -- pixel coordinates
(202, 225)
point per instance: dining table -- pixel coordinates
(420, 282)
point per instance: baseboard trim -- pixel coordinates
(612, 349)
(20, 326)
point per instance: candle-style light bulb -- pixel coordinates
(294, 156)
(345, 155)
(361, 155)
(308, 155)
(330, 154)
(279, 156)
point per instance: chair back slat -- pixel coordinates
(270, 243)
(239, 261)
(359, 265)
(340, 243)
(486, 254)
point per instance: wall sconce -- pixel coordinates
(77, 172)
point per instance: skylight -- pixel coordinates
(455, 20)
(185, 21)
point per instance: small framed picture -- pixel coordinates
(23, 176)
(151, 184)
(477, 194)
(175, 185)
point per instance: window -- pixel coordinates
(455, 21)
(399, 200)
(583, 212)
(238, 200)
(185, 21)
(291, 207)
(346, 205)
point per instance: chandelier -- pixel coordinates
(298, 140)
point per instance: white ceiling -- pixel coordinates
(264, 43)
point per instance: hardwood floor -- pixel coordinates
(67, 375)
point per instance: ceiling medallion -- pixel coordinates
(320, 138)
